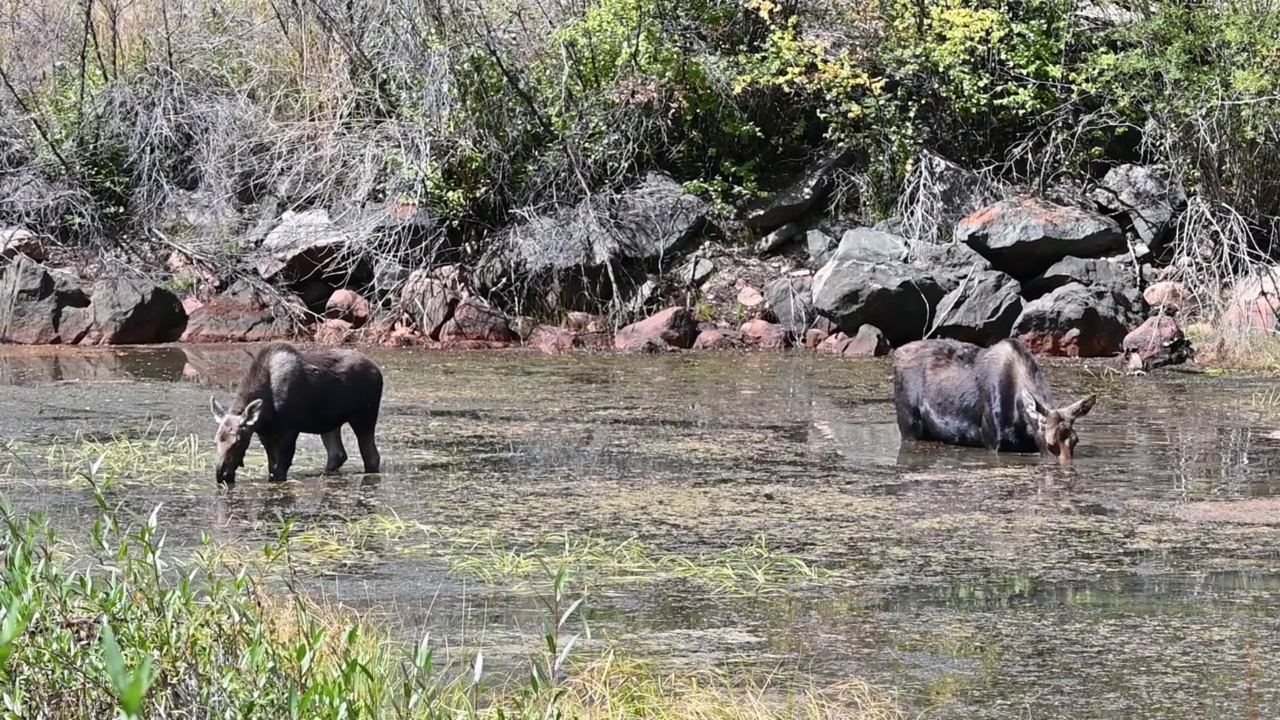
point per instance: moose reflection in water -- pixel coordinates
(288, 391)
(961, 394)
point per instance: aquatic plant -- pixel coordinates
(119, 626)
(495, 557)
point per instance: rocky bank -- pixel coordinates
(648, 269)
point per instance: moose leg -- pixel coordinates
(270, 444)
(288, 444)
(333, 446)
(368, 450)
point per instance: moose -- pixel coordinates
(288, 391)
(996, 397)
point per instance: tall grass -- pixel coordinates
(116, 625)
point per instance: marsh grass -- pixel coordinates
(116, 626)
(1220, 350)
(157, 454)
(753, 569)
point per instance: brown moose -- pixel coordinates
(287, 392)
(962, 394)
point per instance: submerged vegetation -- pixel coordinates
(122, 626)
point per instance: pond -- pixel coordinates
(748, 511)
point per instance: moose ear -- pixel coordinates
(1033, 406)
(252, 412)
(219, 412)
(1080, 408)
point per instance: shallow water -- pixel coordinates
(1144, 584)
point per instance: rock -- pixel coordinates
(1077, 321)
(981, 310)
(1026, 237)
(696, 271)
(580, 322)
(749, 297)
(428, 302)
(791, 302)
(814, 337)
(552, 340)
(15, 241)
(1158, 342)
(1254, 303)
(347, 305)
(655, 220)
(314, 294)
(868, 342)
(1169, 297)
(872, 246)
(799, 198)
(524, 325)
(474, 320)
(1145, 199)
(949, 263)
(718, 339)
(940, 193)
(191, 304)
(1117, 275)
(899, 298)
(240, 314)
(133, 311)
(389, 278)
(820, 246)
(674, 327)
(40, 307)
(765, 335)
(333, 331)
(302, 245)
(779, 238)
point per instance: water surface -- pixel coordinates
(1142, 585)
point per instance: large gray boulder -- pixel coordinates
(134, 311)
(302, 245)
(1116, 274)
(801, 197)
(1146, 199)
(897, 297)
(1025, 237)
(41, 307)
(656, 221)
(875, 279)
(868, 245)
(790, 300)
(981, 310)
(1078, 321)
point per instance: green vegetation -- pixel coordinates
(119, 626)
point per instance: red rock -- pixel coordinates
(815, 337)
(240, 314)
(581, 322)
(191, 304)
(1255, 303)
(552, 340)
(717, 339)
(347, 305)
(428, 301)
(765, 335)
(674, 327)
(1158, 342)
(1169, 297)
(869, 342)
(333, 331)
(475, 321)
